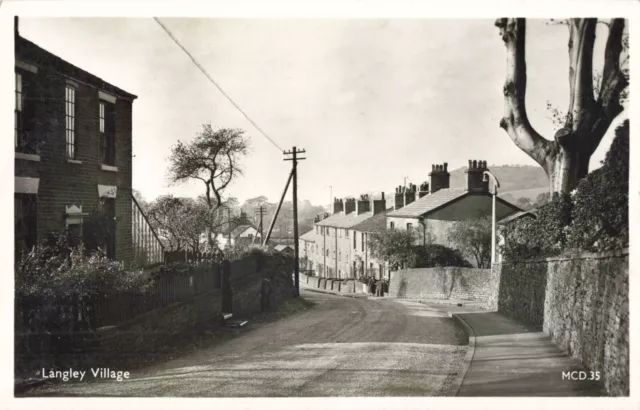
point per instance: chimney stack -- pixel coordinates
(16, 25)
(438, 178)
(349, 205)
(363, 205)
(399, 197)
(338, 205)
(475, 177)
(410, 194)
(424, 189)
(379, 205)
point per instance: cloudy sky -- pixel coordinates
(371, 101)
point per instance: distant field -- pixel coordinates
(532, 193)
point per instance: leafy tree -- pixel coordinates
(182, 221)
(213, 157)
(566, 158)
(396, 246)
(473, 237)
(140, 199)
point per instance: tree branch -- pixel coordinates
(515, 121)
(613, 79)
(582, 36)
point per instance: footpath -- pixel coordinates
(507, 358)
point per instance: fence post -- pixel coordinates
(227, 297)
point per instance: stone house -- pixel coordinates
(362, 260)
(336, 242)
(73, 159)
(306, 248)
(435, 212)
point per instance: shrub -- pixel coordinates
(601, 202)
(433, 255)
(56, 270)
(546, 235)
(594, 218)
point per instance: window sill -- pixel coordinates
(73, 161)
(28, 157)
(110, 168)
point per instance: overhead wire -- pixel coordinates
(204, 71)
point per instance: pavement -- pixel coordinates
(341, 346)
(509, 358)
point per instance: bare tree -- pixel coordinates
(213, 157)
(565, 159)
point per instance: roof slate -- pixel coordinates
(238, 230)
(428, 203)
(340, 220)
(376, 223)
(309, 236)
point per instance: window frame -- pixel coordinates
(107, 130)
(71, 142)
(19, 109)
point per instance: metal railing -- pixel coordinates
(147, 247)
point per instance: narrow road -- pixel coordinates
(340, 347)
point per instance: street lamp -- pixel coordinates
(485, 178)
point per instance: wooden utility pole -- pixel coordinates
(260, 211)
(296, 255)
(275, 216)
(229, 229)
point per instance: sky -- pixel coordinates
(371, 101)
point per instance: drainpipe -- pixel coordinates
(366, 250)
(324, 251)
(337, 252)
(424, 231)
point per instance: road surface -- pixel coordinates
(339, 347)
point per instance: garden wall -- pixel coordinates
(582, 302)
(441, 283)
(334, 285)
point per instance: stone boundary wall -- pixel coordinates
(441, 283)
(334, 285)
(582, 302)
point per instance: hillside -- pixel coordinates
(516, 181)
(511, 177)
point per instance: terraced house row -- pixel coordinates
(338, 246)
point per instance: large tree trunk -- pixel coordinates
(565, 159)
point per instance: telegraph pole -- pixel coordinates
(229, 228)
(260, 211)
(296, 255)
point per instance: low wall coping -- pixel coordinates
(618, 253)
